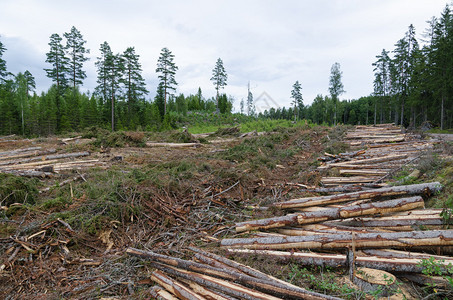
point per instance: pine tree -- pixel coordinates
(382, 80)
(167, 69)
(57, 73)
(297, 103)
(133, 81)
(56, 57)
(3, 72)
(76, 52)
(250, 106)
(31, 84)
(335, 87)
(21, 97)
(102, 89)
(115, 71)
(219, 78)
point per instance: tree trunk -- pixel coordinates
(332, 214)
(413, 189)
(343, 240)
(173, 286)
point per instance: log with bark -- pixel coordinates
(172, 145)
(413, 189)
(330, 181)
(192, 270)
(390, 264)
(378, 282)
(343, 240)
(46, 157)
(175, 287)
(26, 154)
(160, 293)
(383, 207)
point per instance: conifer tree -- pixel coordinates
(102, 89)
(76, 52)
(56, 57)
(3, 72)
(219, 78)
(297, 103)
(167, 69)
(31, 84)
(135, 87)
(335, 87)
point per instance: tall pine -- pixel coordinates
(167, 69)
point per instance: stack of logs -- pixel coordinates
(43, 163)
(361, 223)
(212, 276)
(356, 229)
(387, 150)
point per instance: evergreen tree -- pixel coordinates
(56, 57)
(167, 69)
(31, 84)
(21, 97)
(133, 81)
(335, 87)
(250, 106)
(102, 89)
(382, 80)
(3, 72)
(219, 78)
(297, 103)
(242, 106)
(159, 99)
(115, 70)
(76, 52)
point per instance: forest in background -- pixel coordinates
(413, 84)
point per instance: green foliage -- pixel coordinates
(432, 267)
(120, 139)
(15, 189)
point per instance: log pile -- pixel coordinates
(43, 163)
(385, 149)
(212, 276)
(367, 225)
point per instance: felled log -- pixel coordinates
(364, 172)
(161, 294)
(240, 267)
(164, 262)
(425, 280)
(395, 221)
(46, 157)
(208, 293)
(328, 181)
(343, 240)
(370, 160)
(372, 280)
(391, 253)
(172, 145)
(66, 140)
(411, 265)
(29, 173)
(15, 151)
(348, 188)
(224, 286)
(333, 213)
(175, 287)
(413, 189)
(26, 154)
(378, 141)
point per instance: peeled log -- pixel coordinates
(390, 264)
(343, 240)
(383, 207)
(175, 287)
(413, 189)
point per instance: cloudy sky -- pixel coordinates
(269, 43)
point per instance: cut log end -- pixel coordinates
(375, 281)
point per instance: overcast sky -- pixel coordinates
(269, 43)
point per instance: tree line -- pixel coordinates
(413, 84)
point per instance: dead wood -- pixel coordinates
(46, 158)
(343, 240)
(161, 294)
(172, 145)
(333, 214)
(335, 260)
(175, 287)
(413, 189)
(269, 286)
(26, 154)
(372, 280)
(395, 221)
